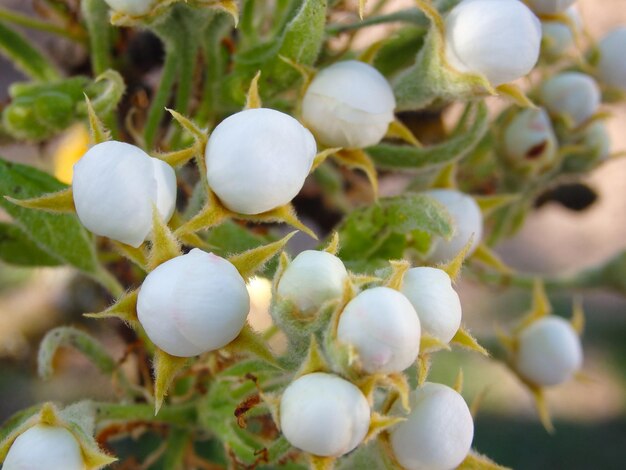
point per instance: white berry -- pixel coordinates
(383, 328)
(436, 302)
(193, 303)
(612, 66)
(467, 220)
(549, 351)
(573, 95)
(499, 39)
(324, 415)
(349, 104)
(258, 159)
(45, 447)
(115, 187)
(438, 432)
(311, 279)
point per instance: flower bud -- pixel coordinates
(324, 415)
(311, 279)
(530, 142)
(611, 65)
(383, 328)
(573, 95)
(499, 39)
(558, 36)
(45, 447)
(468, 223)
(549, 7)
(115, 186)
(258, 159)
(438, 432)
(131, 7)
(437, 304)
(549, 351)
(349, 104)
(193, 303)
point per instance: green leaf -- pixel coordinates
(399, 51)
(60, 235)
(415, 158)
(25, 57)
(17, 248)
(381, 230)
(300, 41)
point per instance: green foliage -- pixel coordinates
(62, 237)
(384, 231)
(17, 248)
(28, 59)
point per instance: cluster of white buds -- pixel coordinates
(258, 159)
(499, 39)
(131, 7)
(574, 96)
(349, 104)
(312, 279)
(529, 141)
(548, 352)
(468, 225)
(324, 415)
(438, 431)
(115, 187)
(611, 65)
(45, 447)
(193, 304)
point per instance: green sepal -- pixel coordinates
(253, 260)
(250, 342)
(60, 202)
(164, 245)
(476, 461)
(464, 339)
(165, 368)
(125, 308)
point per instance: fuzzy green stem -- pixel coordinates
(96, 14)
(182, 415)
(108, 281)
(157, 107)
(74, 34)
(412, 15)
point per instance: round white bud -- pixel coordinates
(596, 137)
(434, 299)
(258, 159)
(530, 141)
(549, 7)
(499, 39)
(438, 432)
(612, 66)
(193, 303)
(558, 37)
(549, 351)
(383, 328)
(349, 104)
(131, 7)
(311, 279)
(115, 187)
(573, 95)
(324, 415)
(45, 447)
(467, 220)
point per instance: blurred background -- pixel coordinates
(590, 416)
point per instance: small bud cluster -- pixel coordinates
(371, 334)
